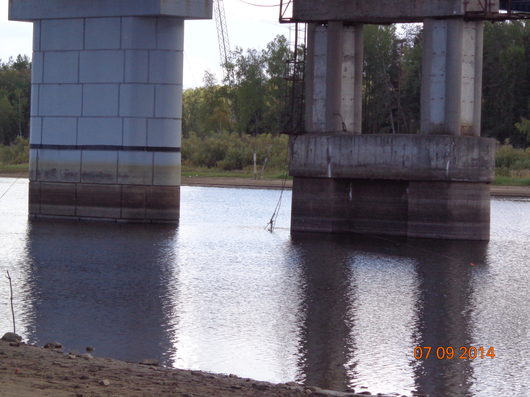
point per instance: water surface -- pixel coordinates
(220, 293)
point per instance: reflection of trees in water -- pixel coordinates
(104, 285)
(440, 309)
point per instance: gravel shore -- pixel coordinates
(29, 371)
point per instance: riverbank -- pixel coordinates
(248, 183)
(29, 371)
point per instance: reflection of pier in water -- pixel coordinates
(114, 297)
(369, 302)
(362, 304)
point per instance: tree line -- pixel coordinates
(253, 98)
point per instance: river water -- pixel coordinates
(220, 293)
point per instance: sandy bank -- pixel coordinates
(496, 191)
(28, 371)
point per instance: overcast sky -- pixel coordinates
(248, 27)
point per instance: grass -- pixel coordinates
(13, 168)
(511, 181)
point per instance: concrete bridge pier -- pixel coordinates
(434, 184)
(333, 78)
(106, 107)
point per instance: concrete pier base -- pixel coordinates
(443, 210)
(120, 203)
(400, 185)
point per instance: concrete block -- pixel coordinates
(138, 33)
(60, 100)
(170, 34)
(100, 131)
(104, 66)
(384, 11)
(61, 34)
(36, 35)
(35, 130)
(102, 33)
(59, 165)
(34, 104)
(134, 132)
(34, 197)
(348, 205)
(57, 199)
(33, 164)
(136, 100)
(27, 10)
(168, 101)
(135, 168)
(165, 67)
(163, 203)
(396, 157)
(166, 169)
(449, 210)
(61, 67)
(163, 132)
(37, 67)
(59, 131)
(99, 166)
(98, 201)
(136, 66)
(133, 202)
(100, 99)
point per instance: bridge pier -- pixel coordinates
(106, 107)
(434, 184)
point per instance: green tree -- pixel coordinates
(15, 78)
(506, 79)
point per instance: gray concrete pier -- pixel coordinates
(106, 107)
(434, 184)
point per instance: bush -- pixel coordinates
(232, 151)
(17, 153)
(510, 158)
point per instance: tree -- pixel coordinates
(15, 78)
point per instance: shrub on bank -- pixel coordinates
(232, 151)
(17, 153)
(509, 158)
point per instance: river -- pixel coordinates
(220, 293)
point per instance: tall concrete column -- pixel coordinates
(334, 65)
(452, 77)
(106, 107)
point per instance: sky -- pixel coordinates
(248, 26)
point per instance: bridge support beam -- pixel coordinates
(106, 107)
(452, 77)
(334, 78)
(432, 185)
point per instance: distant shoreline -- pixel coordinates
(247, 183)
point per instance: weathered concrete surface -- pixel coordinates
(385, 11)
(443, 210)
(333, 78)
(28, 10)
(106, 110)
(428, 186)
(393, 157)
(116, 202)
(451, 86)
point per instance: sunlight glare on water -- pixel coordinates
(220, 293)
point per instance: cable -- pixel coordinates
(259, 5)
(10, 186)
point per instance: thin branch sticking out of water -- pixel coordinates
(12, 309)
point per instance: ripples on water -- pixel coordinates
(221, 294)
